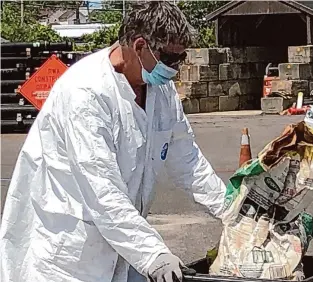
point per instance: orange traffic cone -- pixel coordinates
(245, 149)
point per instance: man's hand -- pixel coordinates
(165, 268)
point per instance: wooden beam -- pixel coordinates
(308, 30)
(260, 20)
(216, 32)
(222, 21)
(303, 17)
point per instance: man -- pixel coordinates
(83, 182)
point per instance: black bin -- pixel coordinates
(201, 268)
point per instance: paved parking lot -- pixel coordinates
(185, 226)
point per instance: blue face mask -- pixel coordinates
(161, 73)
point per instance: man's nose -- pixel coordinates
(176, 67)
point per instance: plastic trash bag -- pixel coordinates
(267, 229)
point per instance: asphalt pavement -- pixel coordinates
(186, 227)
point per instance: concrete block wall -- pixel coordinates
(224, 79)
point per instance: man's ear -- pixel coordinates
(139, 44)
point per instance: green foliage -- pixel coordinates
(206, 38)
(115, 4)
(108, 35)
(195, 12)
(99, 39)
(30, 30)
(106, 17)
(38, 32)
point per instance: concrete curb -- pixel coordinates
(228, 114)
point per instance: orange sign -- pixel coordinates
(37, 88)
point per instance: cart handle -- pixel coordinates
(207, 278)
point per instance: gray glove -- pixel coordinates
(165, 267)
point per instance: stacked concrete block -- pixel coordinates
(301, 59)
(188, 90)
(256, 54)
(231, 71)
(300, 54)
(209, 104)
(207, 56)
(275, 105)
(228, 103)
(290, 87)
(233, 87)
(299, 67)
(191, 106)
(248, 102)
(199, 73)
(215, 79)
(296, 75)
(295, 71)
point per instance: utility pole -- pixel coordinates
(88, 12)
(77, 19)
(22, 12)
(124, 10)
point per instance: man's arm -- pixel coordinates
(189, 169)
(92, 155)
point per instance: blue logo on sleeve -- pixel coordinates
(164, 151)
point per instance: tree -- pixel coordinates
(28, 31)
(107, 35)
(195, 12)
(111, 12)
(106, 17)
(99, 39)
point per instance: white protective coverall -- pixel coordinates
(83, 181)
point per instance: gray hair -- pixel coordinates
(158, 22)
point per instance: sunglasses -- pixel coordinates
(172, 59)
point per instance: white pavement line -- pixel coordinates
(173, 221)
(231, 113)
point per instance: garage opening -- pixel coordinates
(263, 30)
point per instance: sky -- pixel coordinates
(95, 3)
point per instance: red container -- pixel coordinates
(267, 84)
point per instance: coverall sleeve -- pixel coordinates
(93, 161)
(189, 169)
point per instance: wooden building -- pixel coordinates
(264, 23)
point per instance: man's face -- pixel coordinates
(171, 55)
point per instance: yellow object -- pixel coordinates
(211, 255)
